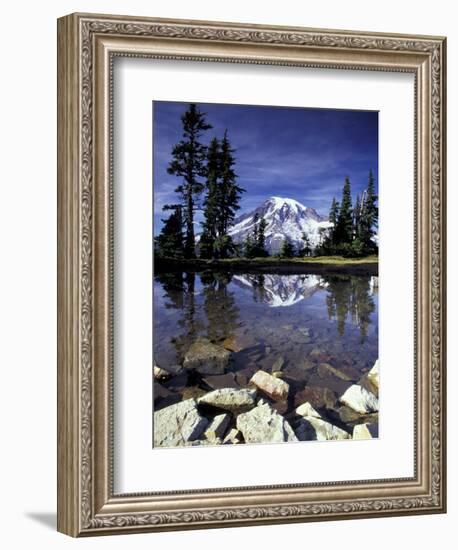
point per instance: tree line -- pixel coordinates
(203, 170)
(208, 182)
(353, 228)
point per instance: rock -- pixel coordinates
(192, 392)
(264, 425)
(164, 397)
(206, 358)
(325, 369)
(317, 396)
(351, 417)
(365, 431)
(307, 410)
(313, 428)
(229, 399)
(278, 374)
(348, 415)
(373, 374)
(178, 424)
(219, 381)
(234, 437)
(161, 373)
(320, 355)
(218, 427)
(178, 383)
(278, 365)
(273, 387)
(232, 343)
(200, 442)
(360, 400)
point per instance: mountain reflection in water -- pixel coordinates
(295, 316)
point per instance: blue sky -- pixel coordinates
(298, 153)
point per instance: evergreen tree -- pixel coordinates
(169, 243)
(248, 247)
(369, 216)
(357, 218)
(344, 228)
(333, 217)
(188, 163)
(229, 196)
(287, 249)
(307, 248)
(261, 244)
(256, 231)
(209, 233)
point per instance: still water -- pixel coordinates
(304, 321)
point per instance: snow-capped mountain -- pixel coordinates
(286, 219)
(281, 290)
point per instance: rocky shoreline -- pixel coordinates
(218, 410)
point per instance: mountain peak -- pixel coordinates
(286, 218)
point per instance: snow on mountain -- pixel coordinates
(281, 290)
(286, 219)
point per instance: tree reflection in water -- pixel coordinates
(221, 311)
(215, 312)
(350, 297)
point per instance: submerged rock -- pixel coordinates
(278, 365)
(218, 427)
(264, 425)
(206, 358)
(365, 431)
(360, 400)
(219, 381)
(274, 387)
(232, 343)
(230, 399)
(178, 424)
(317, 396)
(325, 369)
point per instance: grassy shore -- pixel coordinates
(367, 265)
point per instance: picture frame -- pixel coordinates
(87, 46)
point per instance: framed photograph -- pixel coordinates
(251, 281)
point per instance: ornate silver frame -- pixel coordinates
(87, 44)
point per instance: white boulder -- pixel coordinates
(360, 400)
(264, 425)
(230, 399)
(178, 424)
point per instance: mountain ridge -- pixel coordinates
(286, 218)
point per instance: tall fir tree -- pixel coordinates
(369, 215)
(255, 233)
(211, 213)
(344, 228)
(333, 217)
(169, 242)
(229, 196)
(262, 237)
(287, 249)
(307, 248)
(357, 218)
(189, 163)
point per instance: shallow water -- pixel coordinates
(304, 320)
